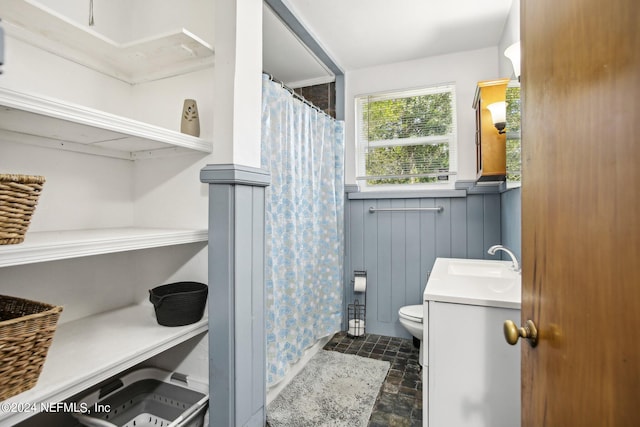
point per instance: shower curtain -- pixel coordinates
(303, 149)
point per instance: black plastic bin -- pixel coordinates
(179, 304)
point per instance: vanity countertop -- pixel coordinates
(489, 283)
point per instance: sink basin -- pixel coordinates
(477, 268)
(474, 281)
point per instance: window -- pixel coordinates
(514, 159)
(407, 137)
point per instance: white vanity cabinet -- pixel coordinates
(473, 375)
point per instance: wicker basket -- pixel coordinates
(18, 199)
(26, 332)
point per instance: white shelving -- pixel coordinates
(90, 350)
(165, 55)
(56, 245)
(94, 348)
(53, 123)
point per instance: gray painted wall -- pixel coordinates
(398, 249)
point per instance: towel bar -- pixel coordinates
(435, 209)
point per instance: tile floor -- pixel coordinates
(399, 401)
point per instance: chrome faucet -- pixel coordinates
(492, 251)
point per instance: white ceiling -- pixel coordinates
(365, 33)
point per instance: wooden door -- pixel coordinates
(581, 212)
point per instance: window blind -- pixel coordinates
(407, 136)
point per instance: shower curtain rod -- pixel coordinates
(296, 95)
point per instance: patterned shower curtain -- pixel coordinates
(303, 149)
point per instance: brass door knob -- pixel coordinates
(528, 331)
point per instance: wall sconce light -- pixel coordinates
(513, 53)
(498, 112)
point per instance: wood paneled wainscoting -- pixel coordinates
(397, 248)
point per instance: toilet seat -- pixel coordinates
(412, 312)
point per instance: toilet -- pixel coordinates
(411, 317)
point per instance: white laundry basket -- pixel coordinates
(146, 397)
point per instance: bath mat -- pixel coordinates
(333, 389)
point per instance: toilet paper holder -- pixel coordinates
(359, 273)
(357, 312)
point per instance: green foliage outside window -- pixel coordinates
(398, 132)
(514, 161)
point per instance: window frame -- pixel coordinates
(362, 143)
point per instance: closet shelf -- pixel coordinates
(92, 349)
(164, 55)
(57, 245)
(53, 123)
